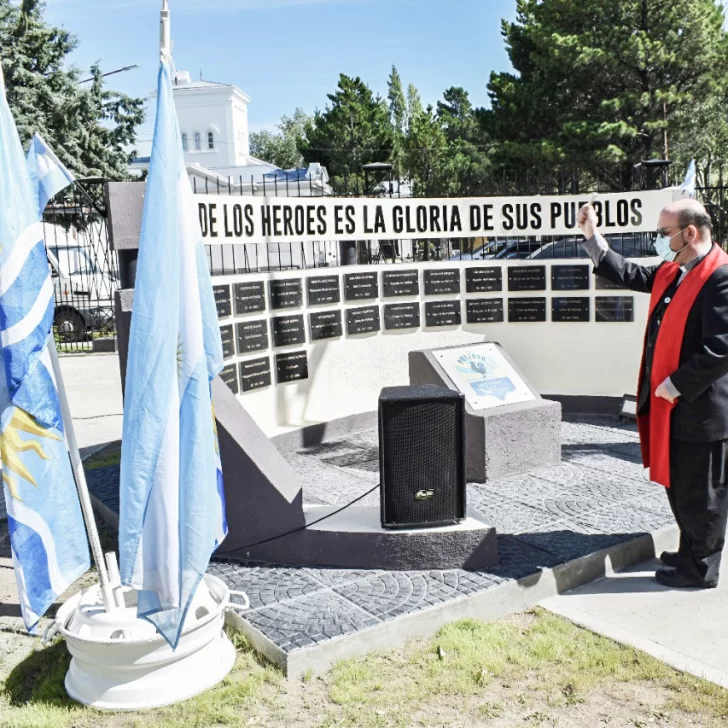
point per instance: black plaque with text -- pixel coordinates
(442, 313)
(484, 310)
(400, 283)
(288, 330)
(228, 341)
(325, 325)
(323, 290)
(614, 308)
(255, 374)
(222, 300)
(291, 367)
(401, 316)
(362, 320)
(229, 375)
(526, 309)
(249, 297)
(570, 277)
(286, 293)
(527, 278)
(483, 279)
(604, 284)
(252, 336)
(443, 281)
(571, 308)
(359, 286)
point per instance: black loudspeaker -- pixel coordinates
(421, 456)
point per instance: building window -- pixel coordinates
(210, 140)
(198, 142)
(185, 146)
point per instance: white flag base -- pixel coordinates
(120, 662)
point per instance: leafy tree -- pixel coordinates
(90, 128)
(282, 148)
(605, 83)
(353, 130)
(398, 118)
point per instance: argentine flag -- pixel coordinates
(172, 503)
(689, 183)
(47, 533)
(47, 172)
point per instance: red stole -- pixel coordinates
(654, 428)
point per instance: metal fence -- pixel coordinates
(83, 268)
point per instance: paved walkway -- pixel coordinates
(686, 628)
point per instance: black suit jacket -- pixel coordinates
(701, 414)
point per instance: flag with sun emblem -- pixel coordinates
(45, 525)
(172, 504)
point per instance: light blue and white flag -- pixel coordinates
(172, 503)
(47, 173)
(47, 533)
(689, 184)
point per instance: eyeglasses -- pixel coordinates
(666, 231)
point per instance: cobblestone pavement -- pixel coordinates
(595, 499)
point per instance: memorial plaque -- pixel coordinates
(252, 336)
(570, 277)
(323, 290)
(400, 283)
(286, 293)
(229, 375)
(604, 284)
(483, 279)
(249, 297)
(222, 300)
(228, 341)
(362, 320)
(325, 325)
(255, 374)
(288, 330)
(291, 367)
(359, 286)
(442, 313)
(527, 278)
(442, 281)
(484, 310)
(401, 316)
(571, 308)
(614, 308)
(526, 309)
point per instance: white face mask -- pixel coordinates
(662, 246)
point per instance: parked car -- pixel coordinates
(486, 250)
(518, 249)
(83, 293)
(636, 245)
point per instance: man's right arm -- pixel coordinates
(611, 265)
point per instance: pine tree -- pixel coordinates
(90, 128)
(398, 120)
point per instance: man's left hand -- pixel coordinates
(664, 393)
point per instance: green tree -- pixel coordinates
(283, 148)
(90, 128)
(353, 130)
(398, 120)
(604, 84)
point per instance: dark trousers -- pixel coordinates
(699, 500)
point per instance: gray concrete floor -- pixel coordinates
(686, 628)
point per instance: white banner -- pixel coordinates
(294, 219)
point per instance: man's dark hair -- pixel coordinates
(697, 217)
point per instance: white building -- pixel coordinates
(213, 121)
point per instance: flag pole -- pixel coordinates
(80, 478)
(165, 43)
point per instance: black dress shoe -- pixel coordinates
(670, 558)
(673, 578)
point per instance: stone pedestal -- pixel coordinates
(499, 441)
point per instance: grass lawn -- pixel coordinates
(527, 670)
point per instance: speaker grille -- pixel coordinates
(422, 460)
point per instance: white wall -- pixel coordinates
(347, 374)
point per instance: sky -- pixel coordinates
(289, 53)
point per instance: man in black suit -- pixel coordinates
(682, 405)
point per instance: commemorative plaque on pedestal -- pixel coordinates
(509, 427)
